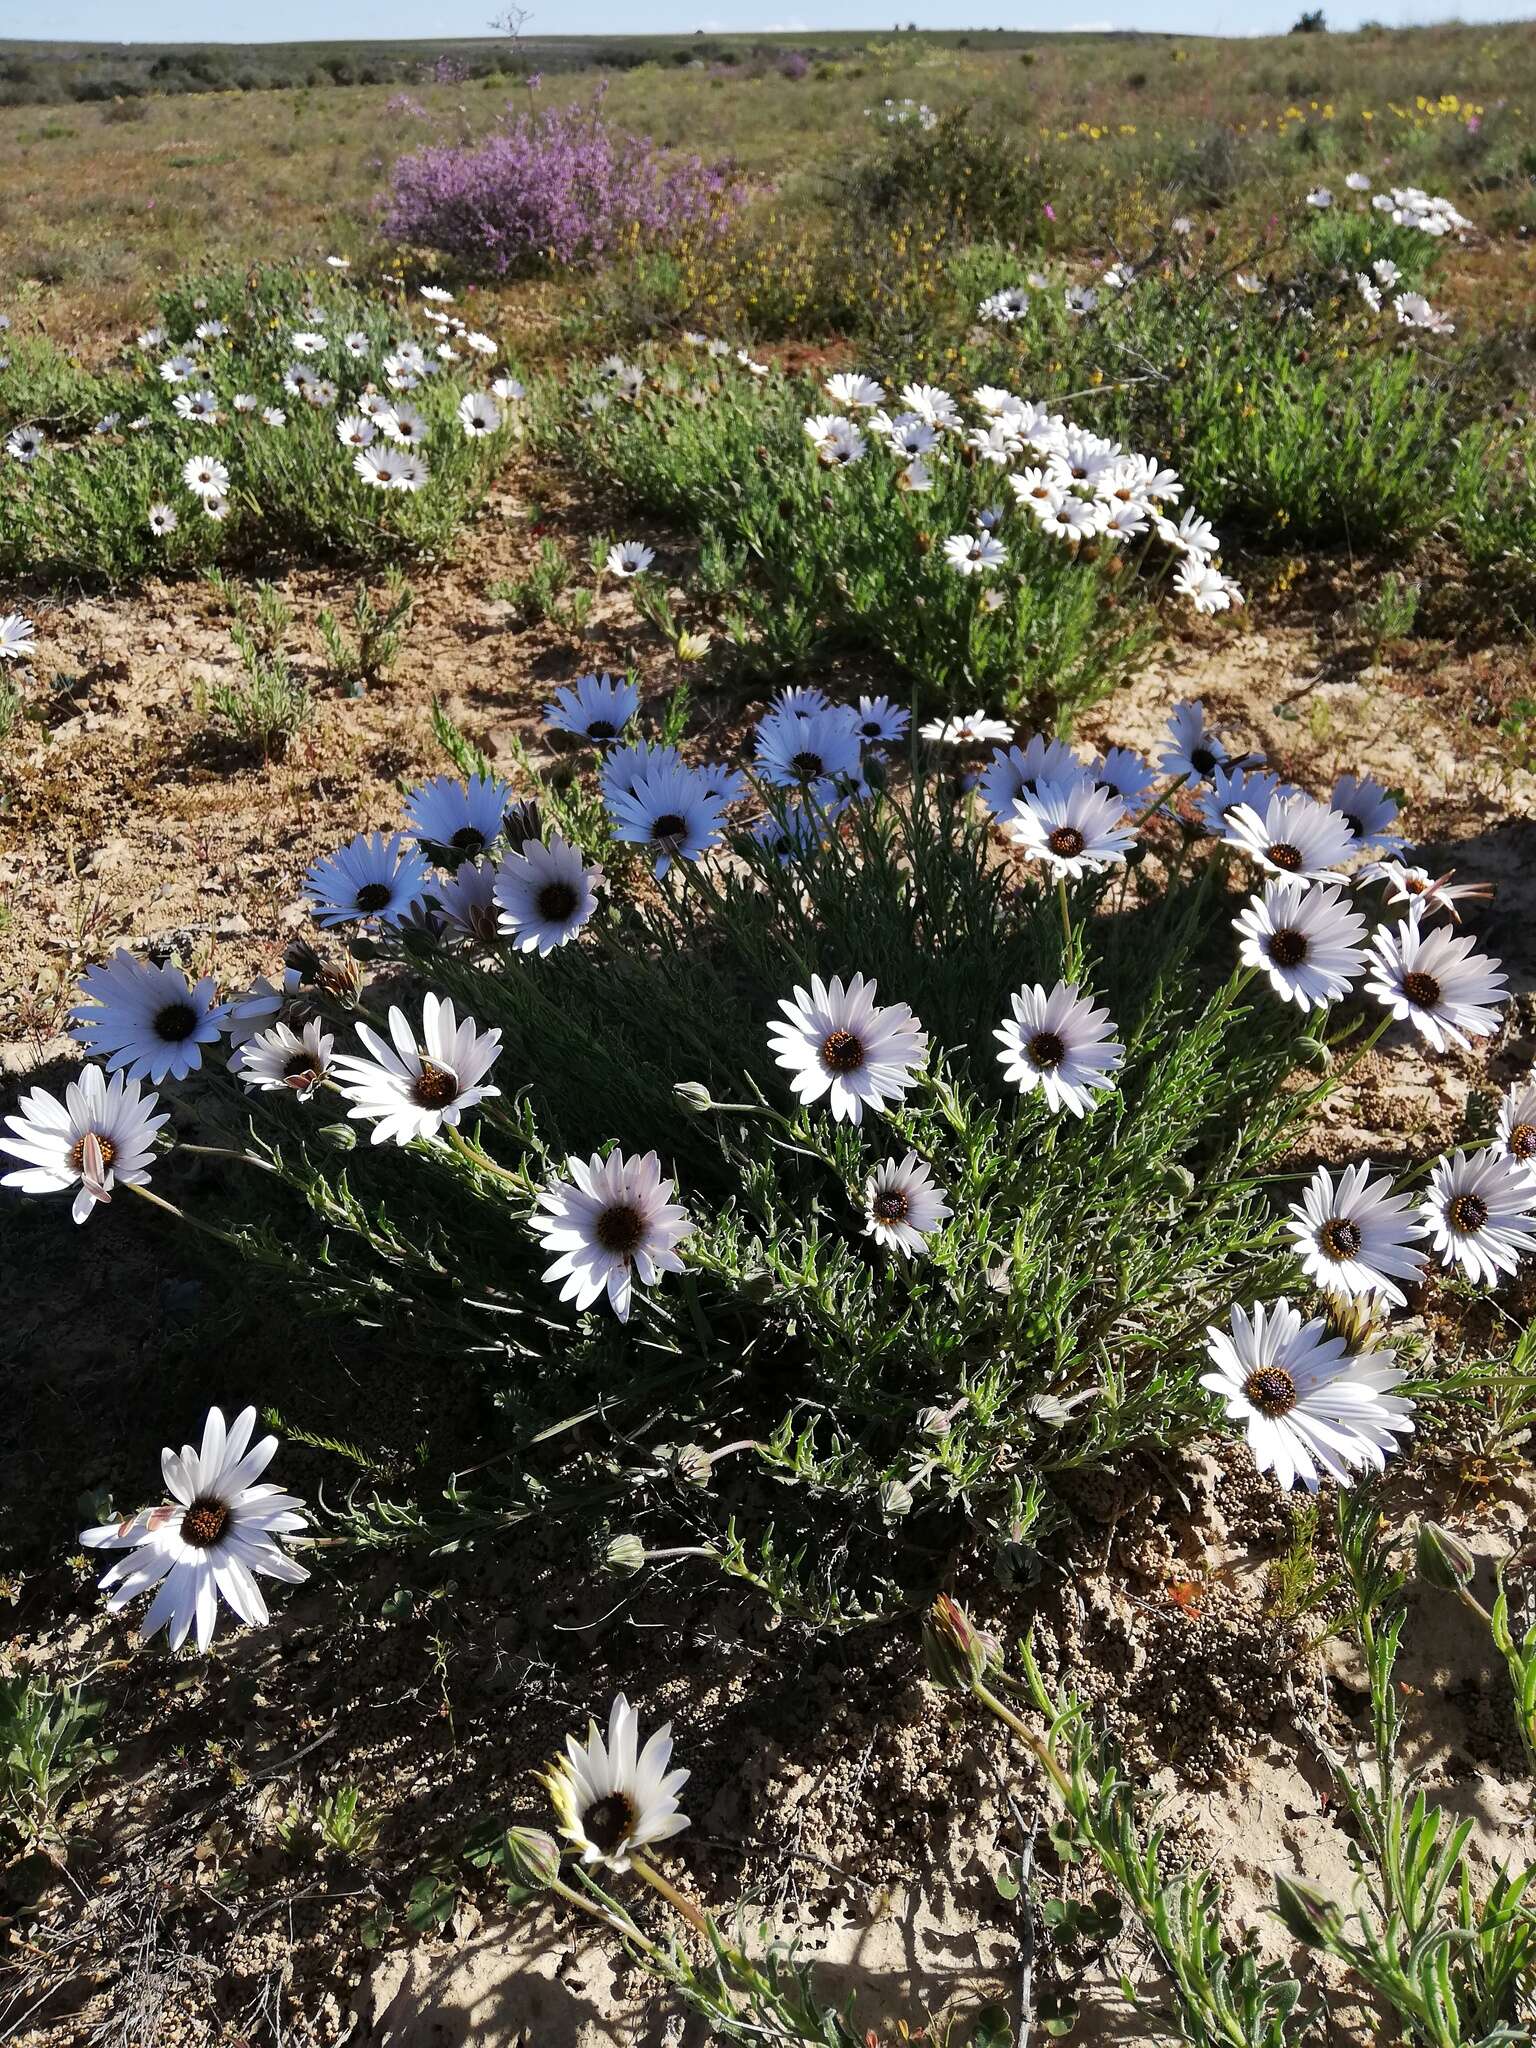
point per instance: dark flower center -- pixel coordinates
(1466, 1214)
(1202, 760)
(109, 1151)
(175, 1022)
(434, 1087)
(890, 1206)
(468, 839)
(1522, 1142)
(670, 830)
(1046, 1049)
(555, 902)
(871, 728)
(1413, 885)
(1286, 856)
(1271, 1390)
(1356, 826)
(1067, 841)
(601, 729)
(610, 1822)
(1422, 990)
(1288, 948)
(1340, 1238)
(620, 1229)
(204, 1523)
(373, 896)
(841, 1053)
(806, 765)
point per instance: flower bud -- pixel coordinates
(1309, 1915)
(532, 1857)
(692, 1097)
(688, 1462)
(895, 1499)
(625, 1554)
(955, 1651)
(1443, 1559)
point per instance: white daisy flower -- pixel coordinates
(1293, 836)
(629, 558)
(1320, 198)
(906, 434)
(1207, 589)
(1386, 272)
(1481, 1213)
(670, 810)
(244, 401)
(273, 416)
(839, 1042)
(1193, 748)
(932, 404)
(614, 1799)
(218, 1532)
(1414, 310)
(437, 295)
(1069, 517)
(151, 339)
(1310, 1410)
(968, 729)
(814, 746)
(508, 389)
(837, 441)
(299, 380)
(1006, 306)
(972, 554)
(1074, 827)
(282, 1058)
(1368, 291)
(594, 707)
(380, 468)
(880, 723)
(103, 1131)
(403, 424)
(545, 894)
(205, 477)
(1436, 982)
(370, 877)
(24, 444)
(612, 1223)
(902, 1207)
(917, 477)
(1308, 941)
(851, 387)
(196, 405)
(1354, 1239)
(1517, 1122)
(308, 344)
(479, 415)
(462, 818)
(215, 507)
(481, 344)
(355, 430)
(146, 1020)
(1357, 181)
(18, 637)
(1060, 1044)
(1080, 299)
(178, 368)
(409, 1092)
(161, 520)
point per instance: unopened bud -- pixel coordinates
(625, 1554)
(895, 1499)
(1309, 1915)
(522, 823)
(1443, 1559)
(532, 1856)
(955, 1651)
(693, 1097)
(690, 1462)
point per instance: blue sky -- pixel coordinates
(298, 20)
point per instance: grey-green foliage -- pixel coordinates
(1452, 1959)
(269, 706)
(806, 560)
(48, 1747)
(1060, 1320)
(378, 629)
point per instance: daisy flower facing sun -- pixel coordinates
(594, 707)
(1075, 828)
(1436, 982)
(371, 877)
(614, 1799)
(612, 1223)
(902, 1207)
(1308, 941)
(545, 894)
(1480, 1213)
(408, 1092)
(458, 818)
(282, 1058)
(1353, 1239)
(839, 1042)
(1517, 1122)
(1294, 835)
(217, 1533)
(1309, 1409)
(1060, 1044)
(148, 1021)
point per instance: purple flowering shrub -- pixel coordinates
(558, 186)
